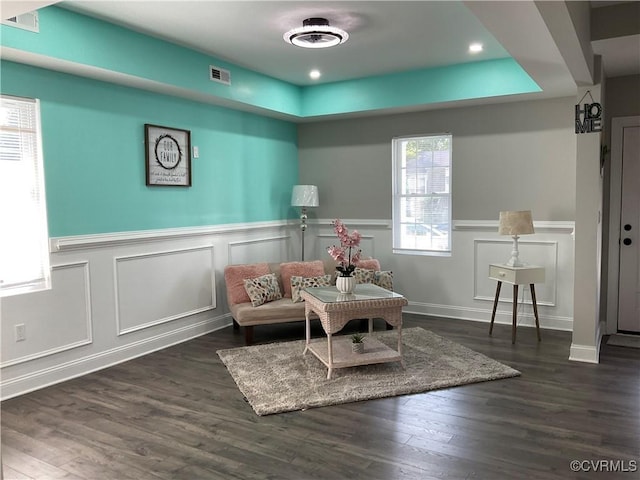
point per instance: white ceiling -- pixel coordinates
(384, 36)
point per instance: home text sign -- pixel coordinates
(589, 117)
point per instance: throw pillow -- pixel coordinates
(300, 283)
(299, 269)
(235, 275)
(369, 264)
(363, 275)
(263, 289)
(383, 279)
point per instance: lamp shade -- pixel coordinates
(516, 223)
(304, 196)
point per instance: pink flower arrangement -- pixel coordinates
(348, 253)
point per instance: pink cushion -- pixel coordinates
(234, 276)
(299, 269)
(369, 264)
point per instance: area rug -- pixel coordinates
(276, 377)
(621, 340)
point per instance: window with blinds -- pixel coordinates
(422, 194)
(24, 249)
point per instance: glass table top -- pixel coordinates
(362, 291)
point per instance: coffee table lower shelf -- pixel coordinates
(342, 357)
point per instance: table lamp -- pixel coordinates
(304, 196)
(515, 223)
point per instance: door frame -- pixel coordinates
(615, 209)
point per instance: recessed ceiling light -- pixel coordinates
(475, 48)
(314, 74)
(316, 33)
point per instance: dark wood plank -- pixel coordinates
(177, 414)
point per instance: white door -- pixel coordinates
(629, 283)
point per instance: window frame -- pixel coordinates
(28, 242)
(398, 196)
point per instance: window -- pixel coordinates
(24, 250)
(422, 194)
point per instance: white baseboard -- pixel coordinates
(588, 353)
(525, 319)
(584, 353)
(36, 380)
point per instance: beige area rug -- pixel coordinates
(621, 340)
(276, 377)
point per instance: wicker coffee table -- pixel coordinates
(335, 310)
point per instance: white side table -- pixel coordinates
(526, 275)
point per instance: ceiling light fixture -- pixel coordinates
(475, 48)
(314, 74)
(316, 33)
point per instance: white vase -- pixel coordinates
(345, 284)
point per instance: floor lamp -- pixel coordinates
(304, 196)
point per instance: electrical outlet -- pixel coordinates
(21, 332)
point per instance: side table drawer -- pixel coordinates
(502, 274)
(517, 275)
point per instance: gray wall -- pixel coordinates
(518, 155)
(622, 99)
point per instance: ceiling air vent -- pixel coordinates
(218, 74)
(26, 21)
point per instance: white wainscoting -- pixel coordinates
(494, 251)
(158, 287)
(55, 320)
(458, 286)
(260, 249)
(119, 296)
(122, 295)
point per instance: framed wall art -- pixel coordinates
(168, 156)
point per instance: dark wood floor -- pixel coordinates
(177, 414)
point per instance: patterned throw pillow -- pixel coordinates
(300, 283)
(363, 275)
(383, 279)
(263, 289)
(306, 269)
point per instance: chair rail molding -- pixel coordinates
(60, 244)
(560, 227)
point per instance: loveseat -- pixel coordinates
(268, 293)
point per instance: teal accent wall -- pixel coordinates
(93, 131)
(84, 40)
(489, 78)
(93, 142)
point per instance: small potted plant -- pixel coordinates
(357, 343)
